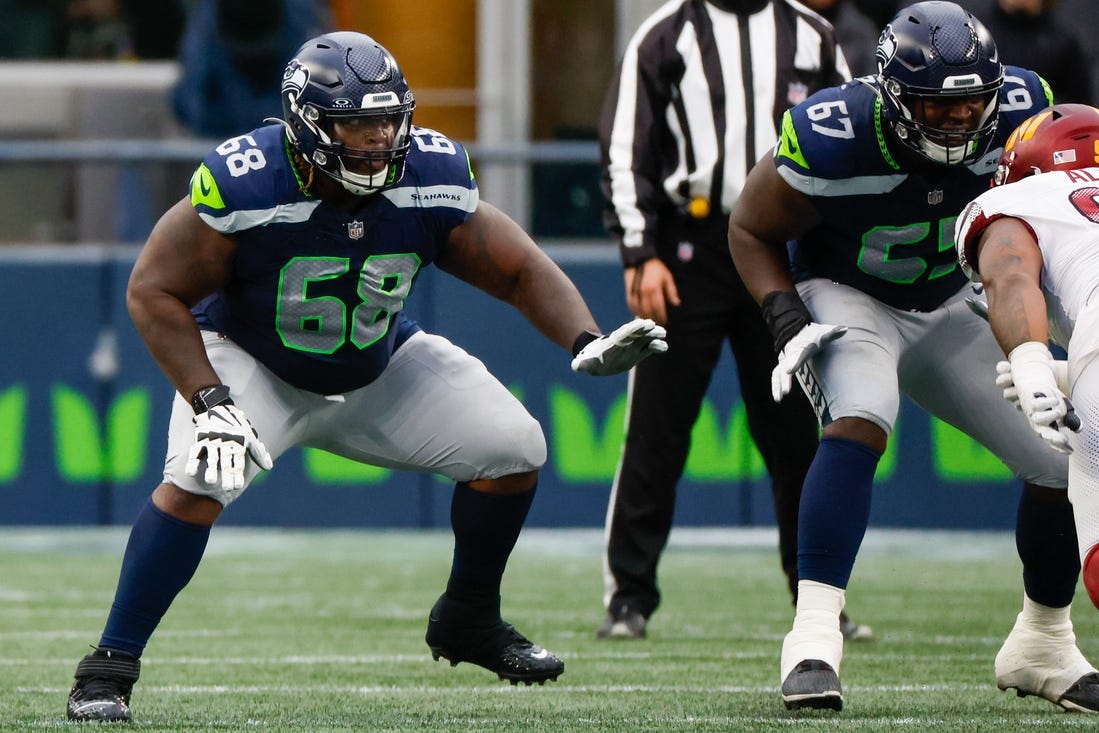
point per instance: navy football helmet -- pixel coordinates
(349, 80)
(938, 52)
(1062, 137)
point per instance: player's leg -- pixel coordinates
(166, 544)
(1040, 656)
(1083, 487)
(853, 387)
(954, 379)
(786, 436)
(436, 408)
(664, 396)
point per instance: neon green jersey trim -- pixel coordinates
(788, 146)
(204, 189)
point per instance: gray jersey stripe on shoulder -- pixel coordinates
(854, 186)
(454, 197)
(282, 214)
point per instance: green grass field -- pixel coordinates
(323, 631)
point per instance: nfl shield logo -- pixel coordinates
(355, 229)
(685, 251)
(796, 93)
(935, 197)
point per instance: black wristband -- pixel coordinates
(785, 314)
(585, 338)
(212, 396)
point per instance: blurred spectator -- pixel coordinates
(1029, 33)
(98, 29)
(880, 12)
(1080, 16)
(232, 57)
(156, 27)
(856, 32)
(32, 29)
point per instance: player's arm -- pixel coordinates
(1010, 264)
(491, 252)
(183, 261)
(768, 214)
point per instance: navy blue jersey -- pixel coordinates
(885, 231)
(316, 290)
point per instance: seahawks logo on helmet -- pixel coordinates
(887, 47)
(295, 77)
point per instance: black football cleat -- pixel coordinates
(812, 684)
(104, 680)
(460, 633)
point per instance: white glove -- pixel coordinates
(803, 346)
(622, 348)
(1005, 382)
(223, 437)
(1040, 398)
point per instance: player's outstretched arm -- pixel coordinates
(621, 349)
(491, 252)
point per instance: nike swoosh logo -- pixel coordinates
(204, 186)
(96, 705)
(540, 654)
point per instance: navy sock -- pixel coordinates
(486, 527)
(835, 509)
(1045, 536)
(161, 557)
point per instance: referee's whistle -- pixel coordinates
(699, 207)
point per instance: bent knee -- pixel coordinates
(186, 506)
(517, 447)
(514, 483)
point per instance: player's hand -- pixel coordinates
(621, 349)
(1005, 381)
(1041, 400)
(224, 438)
(803, 346)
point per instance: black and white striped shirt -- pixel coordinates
(697, 99)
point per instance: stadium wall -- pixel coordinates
(83, 411)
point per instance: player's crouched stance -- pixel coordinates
(1031, 240)
(272, 300)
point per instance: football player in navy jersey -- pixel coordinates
(272, 300)
(845, 238)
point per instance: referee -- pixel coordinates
(695, 101)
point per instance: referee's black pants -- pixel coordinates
(666, 393)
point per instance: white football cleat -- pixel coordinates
(1043, 660)
(813, 649)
